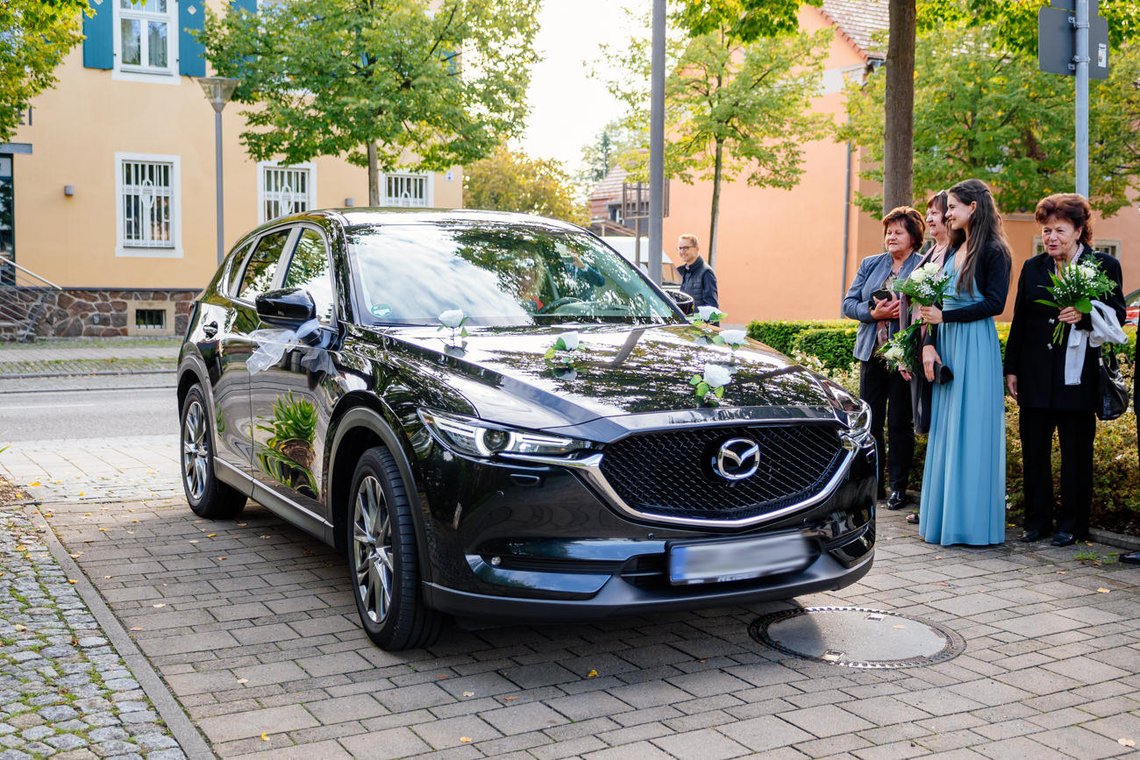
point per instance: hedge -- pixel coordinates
(827, 347)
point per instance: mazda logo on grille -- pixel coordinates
(737, 459)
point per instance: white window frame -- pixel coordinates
(144, 73)
(311, 193)
(1110, 247)
(129, 249)
(408, 202)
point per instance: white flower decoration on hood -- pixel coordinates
(716, 376)
(734, 337)
(570, 340)
(452, 318)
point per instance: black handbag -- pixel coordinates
(1113, 393)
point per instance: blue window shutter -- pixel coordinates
(247, 5)
(98, 36)
(191, 18)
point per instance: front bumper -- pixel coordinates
(525, 541)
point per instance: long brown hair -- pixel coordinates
(985, 229)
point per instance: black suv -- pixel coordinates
(497, 416)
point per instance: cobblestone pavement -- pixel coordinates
(64, 690)
(252, 627)
(95, 469)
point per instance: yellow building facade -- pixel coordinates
(112, 174)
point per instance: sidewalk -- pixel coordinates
(88, 356)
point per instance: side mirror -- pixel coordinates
(683, 300)
(290, 307)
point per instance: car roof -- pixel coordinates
(351, 217)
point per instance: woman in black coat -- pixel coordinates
(1035, 375)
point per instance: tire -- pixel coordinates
(207, 496)
(383, 557)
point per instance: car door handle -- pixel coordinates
(210, 328)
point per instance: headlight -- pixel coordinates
(854, 412)
(483, 439)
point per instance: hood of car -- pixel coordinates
(642, 375)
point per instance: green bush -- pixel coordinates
(833, 346)
(782, 335)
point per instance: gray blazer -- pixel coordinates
(873, 272)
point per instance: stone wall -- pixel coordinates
(104, 313)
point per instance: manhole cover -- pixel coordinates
(857, 637)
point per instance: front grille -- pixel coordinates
(670, 473)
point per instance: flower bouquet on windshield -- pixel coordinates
(1076, 286)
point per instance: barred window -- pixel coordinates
(147, 204)
(407, 190)
(285, 190)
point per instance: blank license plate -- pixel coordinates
(736, 560)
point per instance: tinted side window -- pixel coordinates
(309, 269)
(262, 265)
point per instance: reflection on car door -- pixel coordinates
(291, 402)
(234, 423)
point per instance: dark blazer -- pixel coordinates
(873, 272)
(1030, 353)
(699, 281)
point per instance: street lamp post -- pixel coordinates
(218, 91)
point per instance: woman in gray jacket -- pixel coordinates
(881, 315)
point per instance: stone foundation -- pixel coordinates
(104, 313)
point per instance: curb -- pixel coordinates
(175, 718)
(34, 375)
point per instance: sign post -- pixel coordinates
(1067, 32)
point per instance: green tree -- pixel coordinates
(510, 181)
(737, 102)
(981, 111)
(604, 153)
(35, 35)
(389, 84)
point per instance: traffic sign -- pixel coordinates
(1055, 45)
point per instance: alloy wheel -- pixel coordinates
(195, 450)
(372, 549)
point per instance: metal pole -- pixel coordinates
(218, 180)
(1081, 59)
(846, 230)
(657, 140)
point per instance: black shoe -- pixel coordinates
(1132, 558)
(1029, 536)
(912, 518)
(897, 500)
(1063, 539)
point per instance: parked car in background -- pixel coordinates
(495, 415)
(1132, 308)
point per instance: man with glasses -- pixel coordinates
(697, 279)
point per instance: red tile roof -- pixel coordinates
(860, 21)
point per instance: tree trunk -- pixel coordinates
(714, 212)
(373, 177)
(898, 142)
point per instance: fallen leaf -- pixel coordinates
(221, 558)
(592, 674)
(34, 483)
(264, 736)
(81, 493)
(72, 581)
(243, 680)
(19, 627)
(510, 699)
(211, 535)
(75, 555)
(21, 548)
(468, 693)
(136, 628)
(106, 577)
(1102, 591)
(242, 525)
(193, 540)
(159, 605)
(465, 739)
(1125, 742)
(102, 530)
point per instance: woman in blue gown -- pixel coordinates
(963, 489)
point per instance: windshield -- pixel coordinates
(497, 274)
